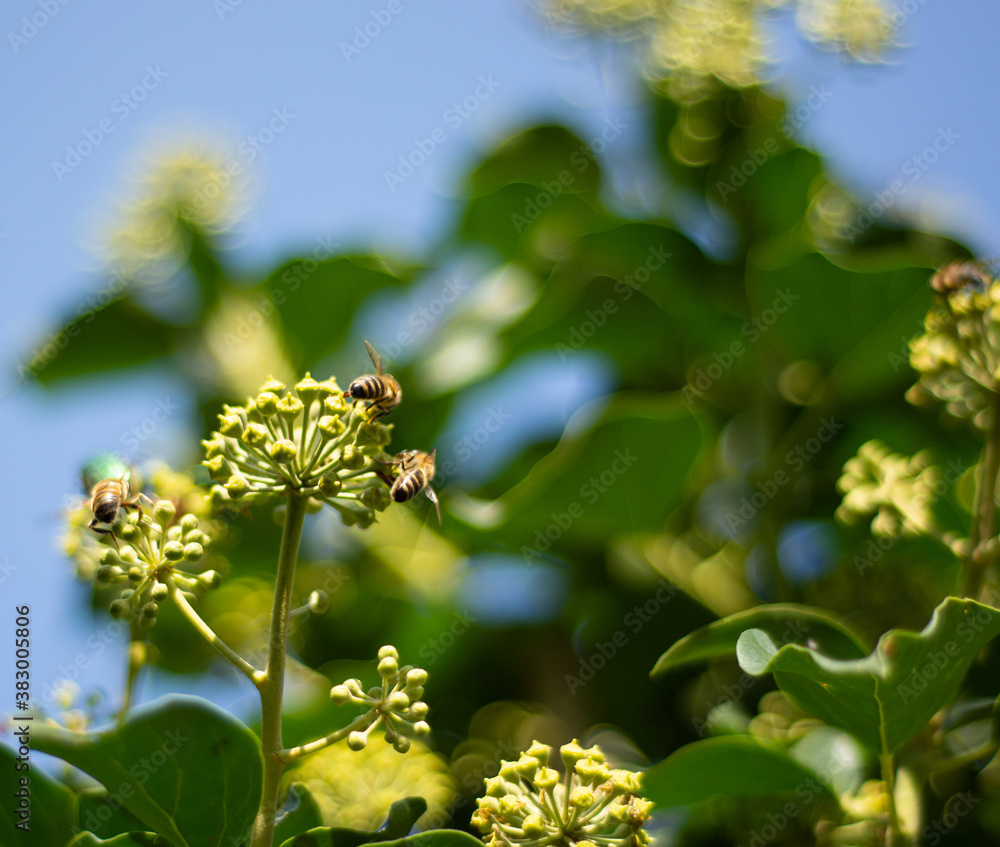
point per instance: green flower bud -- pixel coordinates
(219, 468)
(331, 426)
(496, 787)
(189, 523)
(533, 826)
(210, 579)
(365, 519)
(582, 798)
(388, 668)
(136, 574)
(164, 512)
(376, 496)
(357, 740)
(319, 602)
(418, 710)
(571, 754)
(340, 694)
(386, 651)
(159, 591)
(151, 610)
(130, 533)
(401, 744)
(173, 551)
(254, 435)
(237, 486)
(335, 404)
(109, 556)
(546, 778)
(526, 766)
(283, 451)
(290, 407)
(106, 574)
(328, 387)
(273, 386)
(193, 552)
(215, 447)
(174, 533)
(372, 435)
(307, 388)
(352, 458)
(397, 701)
(231, 425)
(330, 485)
(119, 609)
(145, 623)
(421, 729)
(195, 537)
(267, 403)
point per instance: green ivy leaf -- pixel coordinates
(181, 765)
(887, 697)
(306, 815)
(403, 815)
(784, 622)
(105, 816)
(126, 839)
(733, 765)
(52, 805)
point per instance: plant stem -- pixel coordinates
(136, 659)
(984, 515)
(206, 632)
(272, 687)
(895, 835)
(361, 722)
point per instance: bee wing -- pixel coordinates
(376, 359)
(434, 499)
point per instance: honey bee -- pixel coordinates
(416, 470)
(380, 389)
(958, 275)
(107, 499)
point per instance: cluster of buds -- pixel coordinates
(530, 803)
(395, 704)
(155, 552)
(898, 489)
(306, 440)
(958, 354)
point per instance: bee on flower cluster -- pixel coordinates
(414, 468)
(108, 481)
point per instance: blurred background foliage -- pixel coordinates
(604, 427)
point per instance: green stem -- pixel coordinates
(272, 687)
(984, 515)
(136, 659)
(888, 765)
(206, 632)
(361, 722)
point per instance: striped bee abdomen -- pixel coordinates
(106, 506)
(367, 388)
(408, 486)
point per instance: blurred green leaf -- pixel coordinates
(834, 756)
(306, 815)
(182, 765)
(128, 839)
(784, 623)
(733, 765)
(104, 815)
(52, 806)
(887, 697)
(403, 815)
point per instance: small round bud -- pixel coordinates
(106, 574)
(109, 556)
(581, 797)
(572, 753)
(376, 496)
(357, 740)
(214, 447)
(421, 729)
(372, 435)
(193, 552)
(283, 451)
(388, 650)
(173, 551)
(328, 387)
(418, 710)
(210, 579)
(219, 468)
(189, 523)
(307, 388)
(352, 458)
(164, 511)
(159, 591)
(397, 701)
(231, 425)
(267, 403)
(340, 694)
(237, 486)
(546, 778)
(196, 536)
(415, 677)
(365, 519)
(290, 407)
(331, 426)
(136, 574)
(388, 668)
(273, 385)
(319, 602)
(254, 435)
(151, 610)
(119, 608)
(330, 485)
(401, 744)
(145, 623)
(130, 533)
(335, 404)
(174, 533)
(533, 826)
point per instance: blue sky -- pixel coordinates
(346, 117)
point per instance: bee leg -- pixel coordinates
(433, 498)
(94, 526)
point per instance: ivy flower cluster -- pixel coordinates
(306, 440)
(158, 557)
(590, 806)
(958, 354)
(897, 489)
(395, 704)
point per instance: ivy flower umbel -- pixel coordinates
(306, 440)
(157, 556)
(958, 354)
(898, 489)
(530, 803)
